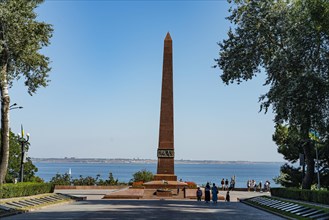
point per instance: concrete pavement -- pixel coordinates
(147, 210)
(96, 208)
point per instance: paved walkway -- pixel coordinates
(96, 208)
(147, 210)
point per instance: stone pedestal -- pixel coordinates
(163, 193)
(166, 177)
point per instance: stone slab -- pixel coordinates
(125, 194)
(296, 211)
(313, 213)
(305, 212)
(322, 216)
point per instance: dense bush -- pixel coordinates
(66, 179)
(61, 179)
(11, 190)
(302, 194)
(142, 176)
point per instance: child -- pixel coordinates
(227, 196)
(199, 194)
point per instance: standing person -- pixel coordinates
(260, 186)
(233, 181)
(199, 194)
(255, 185)
(248, 185)
(214, 191)
(231, 185)
(226, 184)
(268, 185)
(207, 193)
(222, 182)
(227, 199)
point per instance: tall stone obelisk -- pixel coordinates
(166, 154)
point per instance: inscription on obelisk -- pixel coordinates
(166, 154)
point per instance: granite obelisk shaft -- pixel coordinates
(165, 169)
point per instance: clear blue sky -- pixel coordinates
(103, 100)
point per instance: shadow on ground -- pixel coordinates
(147, 209)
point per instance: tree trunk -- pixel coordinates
(5, 103)
(309, 159)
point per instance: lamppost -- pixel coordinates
(14, 106)
(23, 142)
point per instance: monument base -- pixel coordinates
(166, 177)
(159, 184)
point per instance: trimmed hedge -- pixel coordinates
(11, 190)
(302, 194)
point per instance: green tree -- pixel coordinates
(142, 176)
(21, 38)
(288, 40)
(289, 143)
(61, 179)
(15, 161)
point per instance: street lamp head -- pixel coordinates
(27, 135)
(18, 134)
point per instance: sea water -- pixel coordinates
(198, 173)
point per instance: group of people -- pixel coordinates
(252, 185)
(225, 184)
(213, 191)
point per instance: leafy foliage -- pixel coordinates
(303, 195)
(61, 179)
(142, 176)
(21, 39)
(15, 160)
(11, 190)
(289, 41)
(66, 179)
(289, 176)
(290, 145)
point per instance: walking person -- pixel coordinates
(199, 194)
(207, 193)
(214, 191)
(222, 182)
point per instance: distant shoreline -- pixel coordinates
(136, 161)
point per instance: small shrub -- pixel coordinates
(191, 185)
(61, 179)
(142, 176)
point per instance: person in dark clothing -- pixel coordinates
(207, 193)
(227, 199)
(199, 194)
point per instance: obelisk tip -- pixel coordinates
(168, 37)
